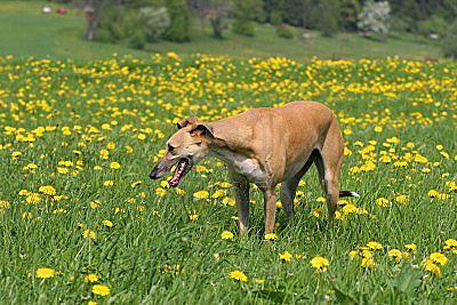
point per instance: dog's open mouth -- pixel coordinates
(183, 166)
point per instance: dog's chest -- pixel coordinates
(248, 167)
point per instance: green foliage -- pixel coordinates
(275, 18)
(111, 23)
(349, 9)
(138, 40)
(30, 34)
(433, 25)
(179, 29)
(119, 24)
(103, 35)
(328, 18)
(243, 27)
(156, 22)
(245, 11)
(138, 4)
(284, 31)
(449, 43)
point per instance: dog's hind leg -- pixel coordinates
(289, 188)
(328, 163)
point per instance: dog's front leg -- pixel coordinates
(241, 185)
(269, 196)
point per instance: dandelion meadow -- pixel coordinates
(81, 223)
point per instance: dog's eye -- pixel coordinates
(170, 148)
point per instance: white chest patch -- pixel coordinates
(243, 165)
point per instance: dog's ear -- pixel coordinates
(186, 122)
(203, 129)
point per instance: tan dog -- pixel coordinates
(265, 146)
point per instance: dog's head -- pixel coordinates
(188, 146)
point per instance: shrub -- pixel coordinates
(449, 42)
(111, 19)
(103, 35)
(138, 40)
(433, 25)
(328, 20)
(284, 31)
(275, 18)
(243, 27)
(132, 22)
(245, 12)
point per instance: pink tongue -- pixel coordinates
(178, 173)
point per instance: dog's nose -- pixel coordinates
(153, 175)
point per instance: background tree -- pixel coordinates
(179, 29)
(374, 18)
(245, 11)
(216, 11)
(449, 43)
(329, 17)
(156, 21)
(348, 10)
(92, 10)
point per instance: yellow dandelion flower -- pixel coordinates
(383, 202)
(239, 276)
(402, 199)
(286, 256)
(160, 191)
(367, 262)
(47, 190)
(374, 245)
(88, 233)
(115, 165)
(318, 213)
(91, 278)
(438, 258)
(226, 235)
(62, 170)
(431, 267)
(271, 236)
(394, 254)
(104, 154)
(201, 195)
(319, 263)
(108, 223)
(450, 244)
(15, 154)
(101, 290)
(33, 198)
(108, 183)
(45, 273)
(136, 183)
(24, 192)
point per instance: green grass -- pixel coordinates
(25, 31)
(56, 110)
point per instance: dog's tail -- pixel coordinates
(349, 194)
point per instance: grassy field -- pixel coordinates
(80, 222)
(25, 31)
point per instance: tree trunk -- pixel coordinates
(216, 23)
(93, 10)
